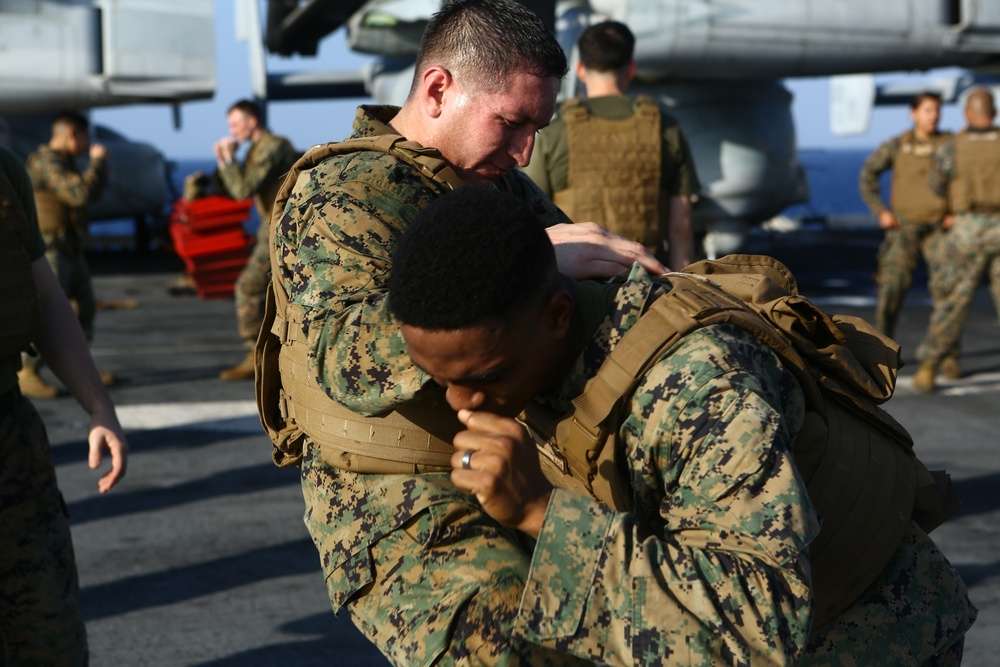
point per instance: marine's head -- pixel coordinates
(979, 108)
(486, 79)
(607, 57)
(244, 119)
(480, 302)
(70, 133)
(925, 111)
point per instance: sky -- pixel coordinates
(308, 123)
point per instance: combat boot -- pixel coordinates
(241, 371)
(951, 368)
(33, 385)
(923, 380)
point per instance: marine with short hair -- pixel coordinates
(414, 562)
(61, 197)
(710, 565)
(966, 169)
(622, 163)
(917, 220)
(267, 161)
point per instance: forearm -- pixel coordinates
(679, 233)
(62, 344)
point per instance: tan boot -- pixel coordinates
(33, 386)
(923, 380)
(951, 368)
(241, 371)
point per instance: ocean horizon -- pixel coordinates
(832, 173)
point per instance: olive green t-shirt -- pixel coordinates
(14, 168)
(549, 166)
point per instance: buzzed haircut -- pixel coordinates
(68, 118)
(484, 42)
(980, 101)
(471, 256)
(920, 98)
(606, 47)
(247, 107)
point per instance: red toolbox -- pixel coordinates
(208, 235)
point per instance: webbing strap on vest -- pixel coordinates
(415, 437)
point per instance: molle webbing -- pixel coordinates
(415, 437)
(911, 197)
(977, 172)
(614, 170)
(19, 310)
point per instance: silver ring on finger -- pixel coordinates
(467, 459)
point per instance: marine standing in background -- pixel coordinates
(966, 169)
(621, 163)
(40, 618)
(268, 160)
(413, 561)
(61, 197)
(917, 220)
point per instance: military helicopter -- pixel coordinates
(717, 65)
(80, 54)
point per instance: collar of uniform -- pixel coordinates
(632, 299)
(371, 120)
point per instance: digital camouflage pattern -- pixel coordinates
(902, 247)
(711, 567)
(40, 618)
(261, 174)
(973, 244)
(453, 574)
(334, 242)
(973, 248)
(55, 178)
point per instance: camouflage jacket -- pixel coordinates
(334, 243)
(711, 566)
(61, 190)
(267, 161)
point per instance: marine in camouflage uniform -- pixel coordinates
(711, 566)
(40, 618)
(61, 197)
(965, 168)
(413, 561)
(918, 232)
(261, 174)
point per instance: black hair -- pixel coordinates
(246, 106)
(920, 98)
(484, 42)
(69, 118)
(606, 47)
(471, 256)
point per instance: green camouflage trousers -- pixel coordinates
(442, 588)
(251, 286)
(973, 249)
(40, 620)
(897, 259)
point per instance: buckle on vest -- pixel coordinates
(286, 407)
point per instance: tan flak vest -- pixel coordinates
(975, 187)
(614, 171)
(19, 309)
(415, 437)
(857, 461)
(912, 198)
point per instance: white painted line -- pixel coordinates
(228, 416)
(978, 383)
